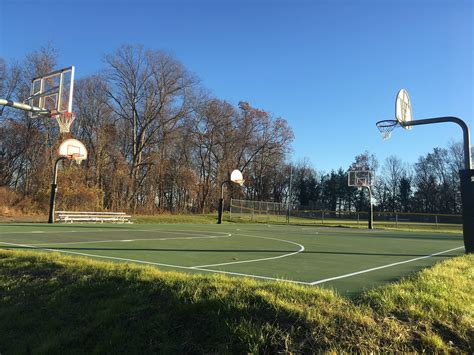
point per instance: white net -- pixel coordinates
(386, 135)
(65, 120)
(386, 128)
(78, 159)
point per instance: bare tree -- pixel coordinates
(393, 171)
(148, 90)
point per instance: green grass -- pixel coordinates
(51, 303)
(211, 218)
(208, 218)
(351, 223)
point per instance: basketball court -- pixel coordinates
(348, 260)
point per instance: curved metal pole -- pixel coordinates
(54, 189)
(466, 177)
(461, 123)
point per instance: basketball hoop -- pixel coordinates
(78, 158)
(73, 149)
(236, 177)
(386, 127)
(239, 182)
(64, 120)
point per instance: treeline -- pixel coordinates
(431, 185)
(158, 141)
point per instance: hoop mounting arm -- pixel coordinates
(23, 106)
(461, 123)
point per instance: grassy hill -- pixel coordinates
(55, 304)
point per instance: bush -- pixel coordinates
(13, 204)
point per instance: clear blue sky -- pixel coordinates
(330, 68)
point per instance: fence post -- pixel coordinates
(436, 221)
(322, 217)
(357, 217)
(396, 219)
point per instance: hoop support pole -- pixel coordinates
(371, 210)
(466, 176)
(23, 107)
(467, 197)
(220, 212)
(461, 123)
(54, 189)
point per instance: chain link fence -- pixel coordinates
(259, 211)
(274, 212)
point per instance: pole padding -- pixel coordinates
(467, 197)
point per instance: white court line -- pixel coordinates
(135, 240)
(261, 259)
(381, 267)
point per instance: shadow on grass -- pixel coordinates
(104, 314)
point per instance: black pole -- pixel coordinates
(54, 188)
(221, 203)
(219, 212)
(466, 176)
(371, 210)
(467, 198)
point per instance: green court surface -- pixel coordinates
(348, 260)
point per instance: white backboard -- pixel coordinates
(73, 149)
(236, 177)
(360, 178)
(403, 111)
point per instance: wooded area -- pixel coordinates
(159, 141)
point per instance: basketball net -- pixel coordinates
(64, 120)
(78, 158)
(386, 127)
(239, 182)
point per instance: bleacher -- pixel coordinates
(92, 217)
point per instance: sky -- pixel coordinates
(331, 68)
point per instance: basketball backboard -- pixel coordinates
(73, 149)
(360, 178)
(236, 177)
(53, 92)
(403, 111)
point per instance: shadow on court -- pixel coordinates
(227, 251)
(61, 226)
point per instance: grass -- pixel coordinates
(211, 218)
(52, 304)
(351, 223)
(208, 218)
